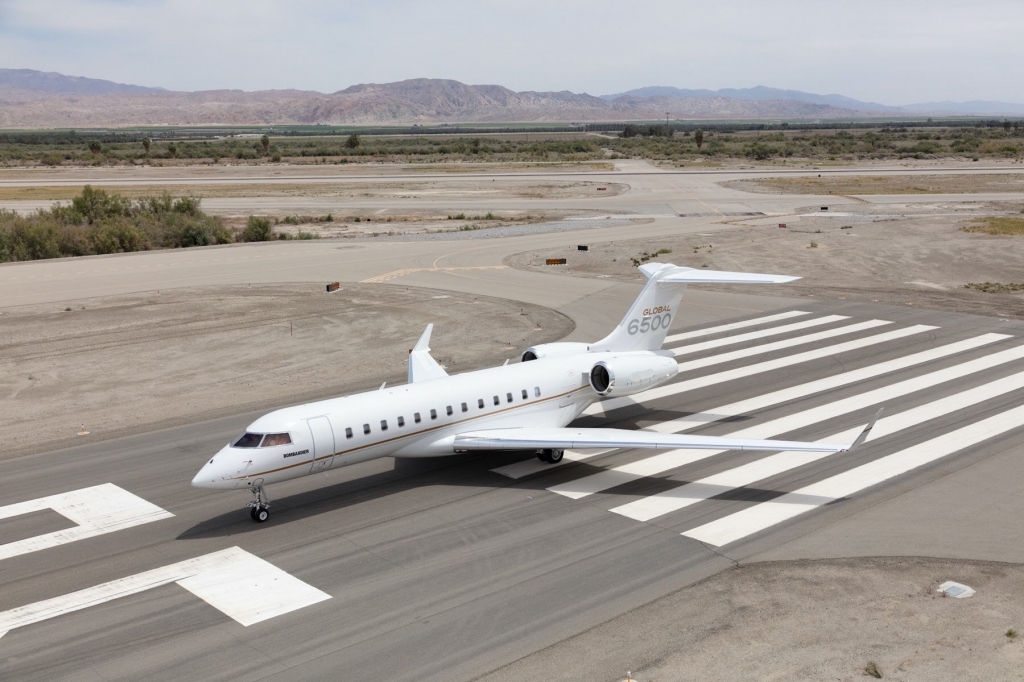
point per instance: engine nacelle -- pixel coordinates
(630, 373)
(550, 350)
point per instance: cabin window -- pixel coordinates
(248, 440)
(272, 439)
(433, 414)
(449, 410)
(401, 421)
(525, 394)
(536, 391)
(383, 424)
(465, 407)
(480, 403)
(366, 429)
(348, 432)
(508, 397)
(416, 417)
(497, 400)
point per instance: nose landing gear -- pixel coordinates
(259, 507)
(550, 456)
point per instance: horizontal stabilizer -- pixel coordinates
(695, 276)
(422, 367)
(561, 439)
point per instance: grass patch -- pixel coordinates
(884, 184)
(995, 287)
(1001, 225)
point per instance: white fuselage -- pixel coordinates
(412, 420)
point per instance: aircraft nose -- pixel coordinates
(212, 473)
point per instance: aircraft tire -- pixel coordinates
(555, 456)
(544, 455)
(260, 514)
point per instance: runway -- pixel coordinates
(452, 568)
(112, 567)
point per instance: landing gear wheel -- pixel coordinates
(259, 507)
(550, 456)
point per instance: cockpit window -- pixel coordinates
(272, 439)
(248, 440)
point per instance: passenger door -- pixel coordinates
(323, 443)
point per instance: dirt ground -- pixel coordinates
(470, 189)
(884, 184)
(129, 364)
(910, 254)
(808, 620)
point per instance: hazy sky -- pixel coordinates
(893, 52)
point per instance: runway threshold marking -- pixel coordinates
(672, 459)
(779, 345)
(749, 370)
(233, 581)
(394, 274)
(734, 325)
(760, 334)
(528, 467)
(762, 516)
(97, 510)
(651, 507)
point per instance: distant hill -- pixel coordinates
(33, 99)
(57, 83)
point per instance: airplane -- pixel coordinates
(522, 406)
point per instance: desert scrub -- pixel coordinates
(995, 287)
(97, 222)
(1001, 225)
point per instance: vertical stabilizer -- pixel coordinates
(646, 324)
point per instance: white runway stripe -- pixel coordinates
(761, 334)
(734, 325)
(750, 370)
(524, 468)
(759, 517)
(779, 345)
(660, 463)
(678, 498)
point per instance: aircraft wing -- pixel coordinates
(566, 438)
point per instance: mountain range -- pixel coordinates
(34, 99)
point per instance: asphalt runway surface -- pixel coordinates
(114, 568)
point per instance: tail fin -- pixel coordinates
(646, 324)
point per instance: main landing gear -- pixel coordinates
(259, 507)
(550, 456)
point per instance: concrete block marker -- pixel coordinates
(236, 583)
(97, 510)
(767, 514)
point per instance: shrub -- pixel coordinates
(257, 230)
(352, 142)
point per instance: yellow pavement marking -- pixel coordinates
(394, 274)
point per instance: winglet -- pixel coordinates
(424, 342)
(867, 430)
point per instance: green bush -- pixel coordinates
(257, 230)
(97, 222)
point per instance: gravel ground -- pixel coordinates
(807, 620)
(129, 364)
(913, 254)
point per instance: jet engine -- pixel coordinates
(625, 374)
(550, 350)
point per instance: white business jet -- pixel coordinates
(525, 406)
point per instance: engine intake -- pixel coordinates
(631, 373)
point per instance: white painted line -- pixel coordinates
(734, 325)
(671, 459)
(779, 345)
(678, 498)
(750, 370)
(759, 517)
(97, 510)
(527, 467)
(761, 334)
(240, 585)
